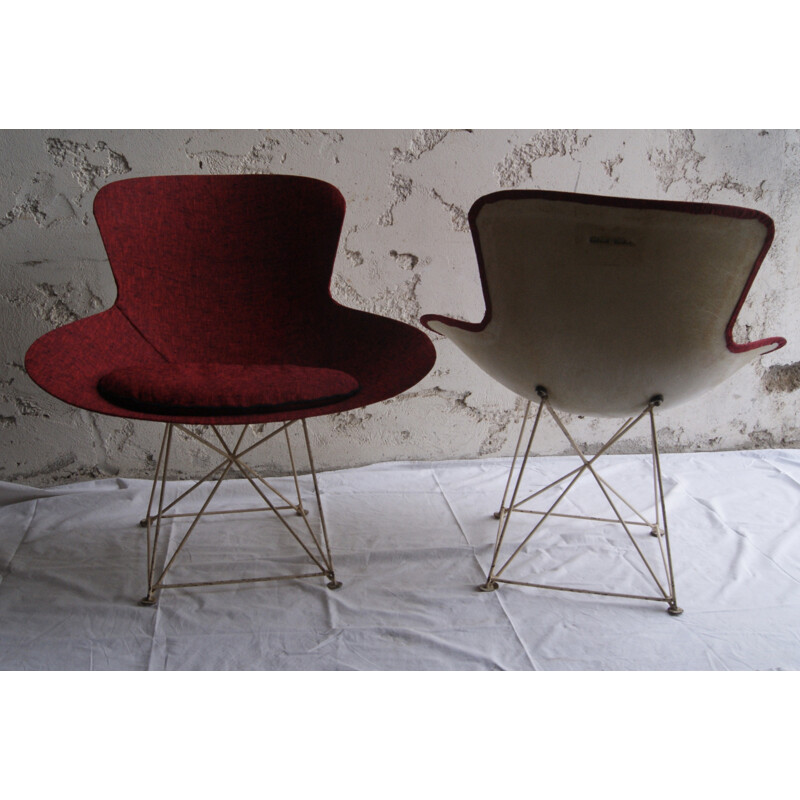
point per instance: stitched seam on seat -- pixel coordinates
(143, 337)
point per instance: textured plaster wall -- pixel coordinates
(405, 250)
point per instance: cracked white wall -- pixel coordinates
(405, 250)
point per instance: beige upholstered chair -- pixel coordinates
(608, 307)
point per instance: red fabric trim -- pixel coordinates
(745, 347)
(622, 202)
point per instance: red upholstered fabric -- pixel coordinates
(215, 268)
(224, 388)
(226, 269)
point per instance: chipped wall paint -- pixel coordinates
(405, 250)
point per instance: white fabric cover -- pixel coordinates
(411, 541)
(607, 306)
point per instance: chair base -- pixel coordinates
(658, 528)
(316, 548)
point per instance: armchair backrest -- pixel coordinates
(215, 268)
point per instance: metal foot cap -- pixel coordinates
(674, 611)
(489, 586)
(149, 600)
(334, 584)
(143, 523)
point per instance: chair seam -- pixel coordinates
(141, 335)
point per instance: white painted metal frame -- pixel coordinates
(318, 551)
(658, 527)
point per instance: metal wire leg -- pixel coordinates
(332, 582)
(673, 608)
(505, 514)
(499, 514)
(163, 460)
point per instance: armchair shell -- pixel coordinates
(610, 301)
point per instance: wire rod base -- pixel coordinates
(315, 548)
(658, 526)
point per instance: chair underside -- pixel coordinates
(314, 545)
(632, 520)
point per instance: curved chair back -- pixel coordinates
(195, 255)
(607, 302)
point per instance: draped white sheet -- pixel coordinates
(411, 542)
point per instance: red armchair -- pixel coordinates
(224, 317)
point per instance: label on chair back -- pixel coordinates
(610, 239)
(605, 244)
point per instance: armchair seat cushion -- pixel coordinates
(224, 389)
